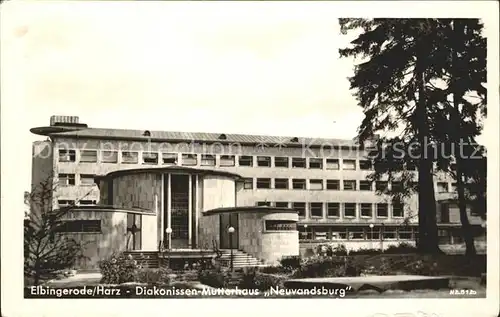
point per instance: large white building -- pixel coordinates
(324, 180)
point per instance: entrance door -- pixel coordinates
(179, 209)
(227, 240)
(134, 227)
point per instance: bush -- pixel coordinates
(402, 248)
(290, 263)
(253, 279)
(214, 278)
(340, 250)
(273, 269)
(118, 269)
(328, 267)
(153, 276)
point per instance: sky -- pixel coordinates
(209, 67)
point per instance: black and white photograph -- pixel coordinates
(256, 151)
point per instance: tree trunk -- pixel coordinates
(470, 249)
(428, 237)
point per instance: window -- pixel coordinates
(381, 185)
(365, 185)
(349, 185)
(332, 184)
(405, 234)
(264, 203)
(170, 158)
(109, 157)
(333, 209)
(67, 155)
(316, 209)
(453, 187)
(88, 156)
(80, 226)
(339, 233)
(298, 162)
(281, 204)
(248, 183)
(150, 158)
(87, 179)
(227, 160)
(87, 202)
(442, 187)
(316, 184)
(301, 208)
(65, 203)
(349, 210)
(245, 160)
(316, 163)
(66, 179)
(189, 159)
(390, 233)
(280, 225)
(348, 164)
(281, 183)
(332, 164)
(365, 165)
(207, 160)
(130, 157)
(356, 234)
(397, 209)
(382, 210)
(263, 183)
(280, 161)
(263, 161)
(366, 210)
(397, 187)
(321, 233)
(298, 183)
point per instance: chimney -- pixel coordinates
(63, 120)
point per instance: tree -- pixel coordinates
(46, 249)
(391, 86)
(396, 86)
(462, 98)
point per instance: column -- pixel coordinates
(169, 202)
(190, 210)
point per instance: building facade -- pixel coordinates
(324, 180)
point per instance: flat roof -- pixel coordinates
(249, 209)
(111, 208)
(168, 169)
(201, 137)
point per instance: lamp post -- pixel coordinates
(230, 230)
(371, 235)
(169, 242)
(382, 230)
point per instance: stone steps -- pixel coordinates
(241, 259)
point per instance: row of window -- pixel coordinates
(69, 202)
(357, 233)
(76, 226)
(330, 184)
(334, 209)
(190, 159)
(70, 179)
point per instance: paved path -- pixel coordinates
(378, 283)
(79, 279)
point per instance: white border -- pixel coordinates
(14, 305)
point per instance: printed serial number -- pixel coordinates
(463, 292)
